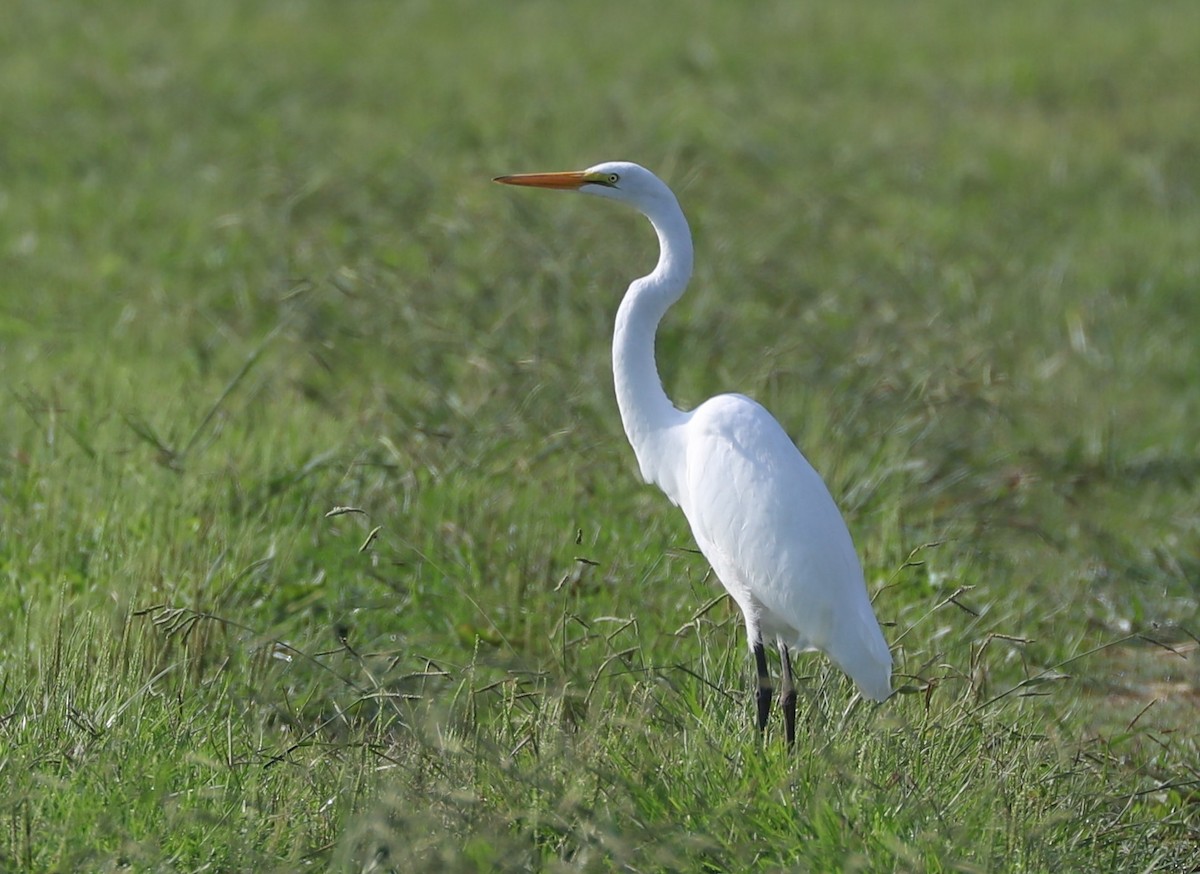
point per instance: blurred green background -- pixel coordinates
(252, 269)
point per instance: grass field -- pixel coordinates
(252, 270)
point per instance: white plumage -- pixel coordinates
(760, 513)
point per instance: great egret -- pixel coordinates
(758, 511)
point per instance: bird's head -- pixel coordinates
(616, 180)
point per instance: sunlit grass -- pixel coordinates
(252, 270)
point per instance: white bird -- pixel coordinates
(758, 510)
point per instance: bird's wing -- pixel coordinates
(757, 504)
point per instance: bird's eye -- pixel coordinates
(613, 179)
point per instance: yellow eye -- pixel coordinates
(613, 179)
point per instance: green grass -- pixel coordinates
(252, 270)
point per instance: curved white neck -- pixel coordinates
(646, 411)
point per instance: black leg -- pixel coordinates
(788, 690)
(763, 697)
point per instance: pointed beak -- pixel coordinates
(563, 181)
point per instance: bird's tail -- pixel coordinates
(867, 660)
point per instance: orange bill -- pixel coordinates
(570, 180)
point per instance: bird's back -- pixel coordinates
(767, 523)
